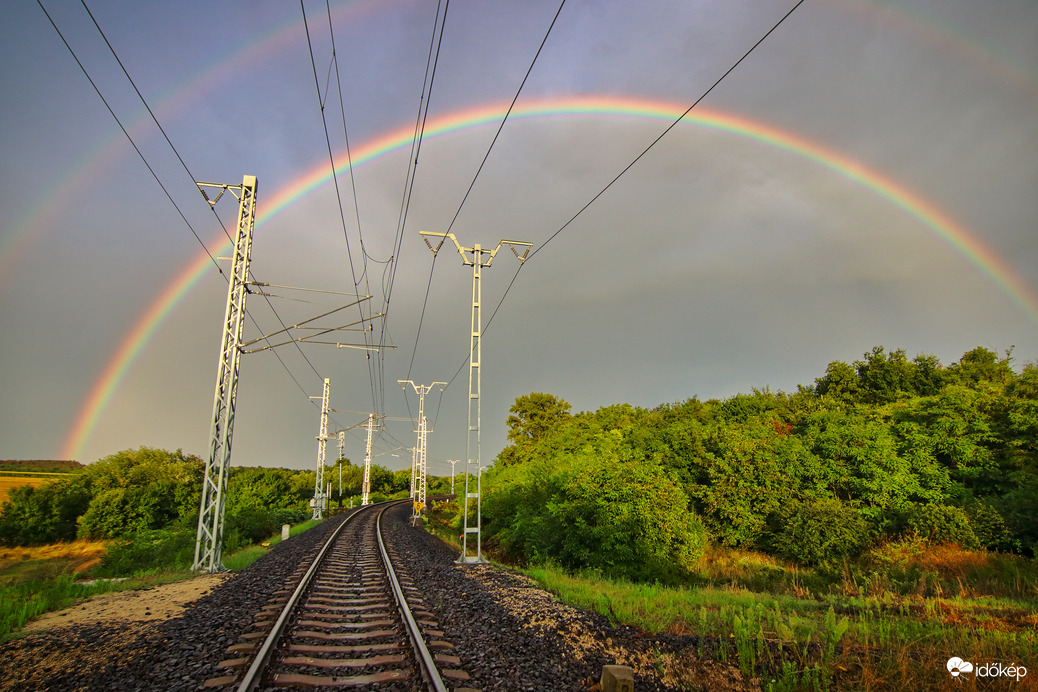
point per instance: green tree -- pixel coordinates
(883, 378)
(532, 415)
(840, 382)
(981, 366)
(264, 488)
(43, 514)
(863, 454)
(139, 490)
(746, 471)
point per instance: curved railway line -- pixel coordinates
(351, 619)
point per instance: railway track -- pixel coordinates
(352, 619)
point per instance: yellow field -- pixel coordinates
(73, 551)
(8, 482)
(21, 565)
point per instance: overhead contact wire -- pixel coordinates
(186, 168)
(338, 194)
(472, 184)
(633, 162)
(129, 138)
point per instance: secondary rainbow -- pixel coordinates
(939, 223)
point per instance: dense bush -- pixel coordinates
(820, 532)
(246, 526)
(290, 516)
(878, 449)
(590, 510)
(43, 514)
(146, 551)
(942, 524)
(138, 492)
(127, 510)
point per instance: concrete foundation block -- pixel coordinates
(617, 679)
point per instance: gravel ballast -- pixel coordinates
(509, 634)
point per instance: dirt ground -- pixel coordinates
(156, 603)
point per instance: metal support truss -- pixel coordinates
(477, 257)
(338, 462)
(420, 464)
(320, 501)
(365, 488)
(209, 539)
(414, 470)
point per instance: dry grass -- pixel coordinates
(18, 565)
(890, 621)
(9, 482)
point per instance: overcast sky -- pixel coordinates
(867, 176)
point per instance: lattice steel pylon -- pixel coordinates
(420, 464)
(452, 463)
(477, 257)
(338, 462)
(365, 488)
(320, 501)
(414, 470)
(209, 539)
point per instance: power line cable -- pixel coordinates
(631, 165)
(129, 138)
(111, 48)
(479, 169)
(338, 194)
(507, 113)
(192, 177)
(431, 61)
(346, 137)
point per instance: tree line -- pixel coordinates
(144, 490)
(874, 450)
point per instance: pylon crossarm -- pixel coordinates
(512, 244)
(442, 236)
(220, 186)
(312, 339)
(266, 284)
(305, 322)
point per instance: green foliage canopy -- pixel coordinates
(874, 449)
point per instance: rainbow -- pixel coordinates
(942, 225)
(14, 243)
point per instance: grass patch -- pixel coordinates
(18, 565)
(41, 579)
(23, 601)
(439, 521)
(240, 559)
(795, 628)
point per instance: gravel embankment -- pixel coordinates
(509, 634)
(513, 635)
(175, 654)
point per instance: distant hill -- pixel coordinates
(41, 465)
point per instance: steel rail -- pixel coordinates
(253, 674)
(425, 659)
